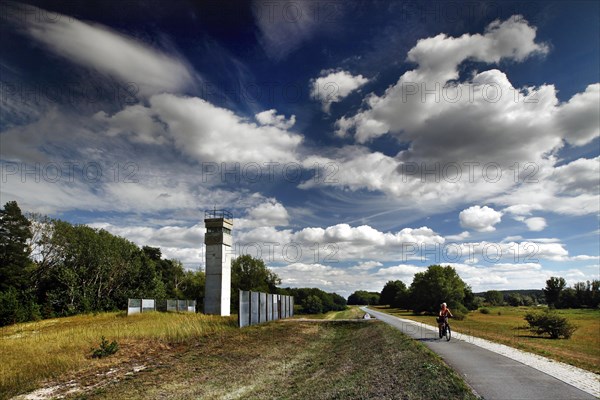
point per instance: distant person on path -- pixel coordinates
(444, 312)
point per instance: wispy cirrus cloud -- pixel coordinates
(118, 55)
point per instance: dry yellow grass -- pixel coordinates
(37, 351)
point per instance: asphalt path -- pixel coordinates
(491, 375)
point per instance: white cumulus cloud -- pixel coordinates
(481, 219)
(536, 224)
(203, 131)
(270, 117)
(333, 86)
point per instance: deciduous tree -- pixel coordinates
(435, 286)
(554, 287)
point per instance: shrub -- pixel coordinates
(459, 314)
(313, 305)
(105, 349)
(484, 310)
(551, 323)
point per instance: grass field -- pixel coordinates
(506, 325)
(49, 349)
(285, 359)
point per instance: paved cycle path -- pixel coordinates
(496, 376)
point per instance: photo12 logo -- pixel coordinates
(70, 171)
(290, 252)
(490, 92)
(468, 171)
(254, 172)
(489, 252)
(297, 12)
(71, 93)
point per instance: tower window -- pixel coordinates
(218, 230)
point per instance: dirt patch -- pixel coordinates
(134, 356)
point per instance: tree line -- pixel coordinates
(580, 295)
(513, 298)
(52, 268)
(442, 284)
(427, 291)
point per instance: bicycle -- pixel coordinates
(445, 330)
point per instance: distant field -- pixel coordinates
(353, 312)
(283, 359)
(506, 325)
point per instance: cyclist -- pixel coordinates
(444, 313)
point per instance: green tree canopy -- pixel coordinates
(313, 305)
(394, 294)
(14, 247)
(362, 297)
(494, 297)
(249, 273)
(435, 286)
(554, 287)
(329, 301)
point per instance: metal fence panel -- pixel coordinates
(148, 305)
(134, 306)
(254, 308)
(269, 304)
(276, 303)
(262, 317)
(244, 313)
(172, 305)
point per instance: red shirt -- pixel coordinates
(444, 312)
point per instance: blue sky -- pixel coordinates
(354, 142)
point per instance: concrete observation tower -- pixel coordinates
(217, 290)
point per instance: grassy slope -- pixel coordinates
(170, 356)
(299, 360)
(49, 349)
(510, 328)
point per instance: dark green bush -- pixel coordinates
(551, 323)
(313, 305)
(484, 310)
(459, 315)
(105, 349)
(17, 307)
